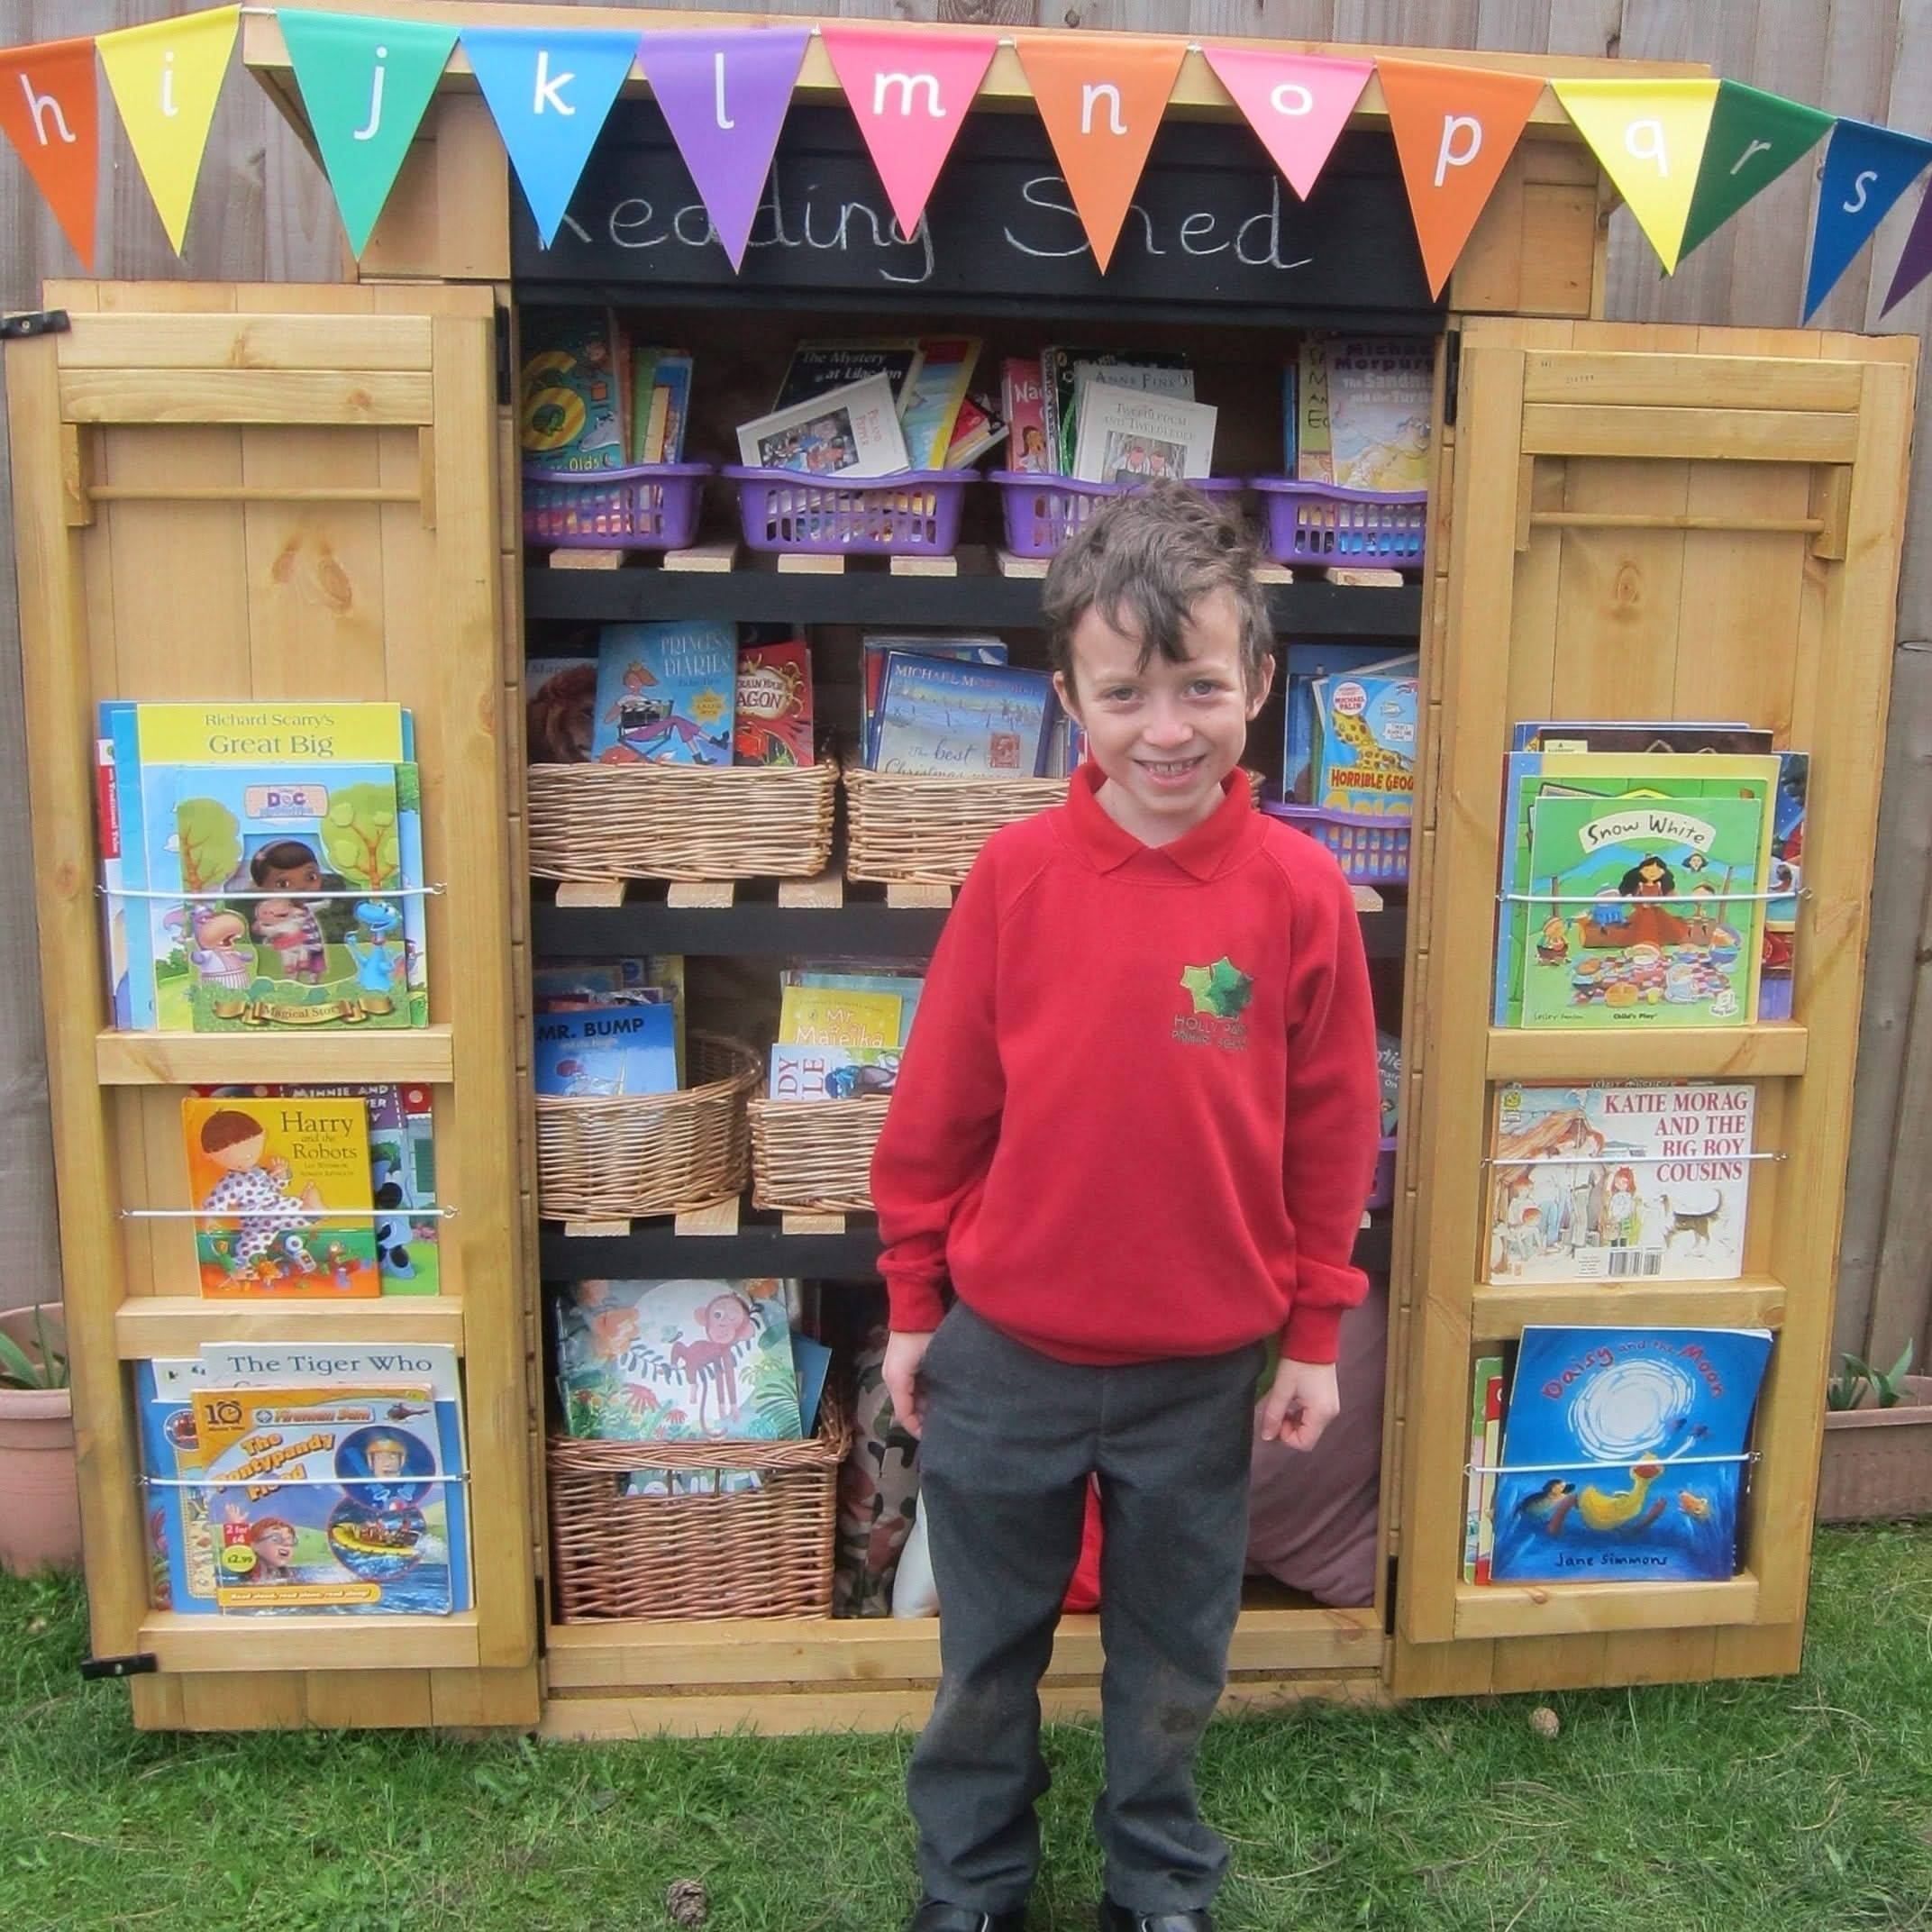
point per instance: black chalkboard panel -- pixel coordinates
(1214, 229)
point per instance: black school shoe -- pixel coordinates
(1118, 1918)
(934, 1916)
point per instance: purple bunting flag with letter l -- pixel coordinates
(724, 96)
(549, 90)
(1866, 170)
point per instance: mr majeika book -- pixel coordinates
(1624, 1453)
(264, 1176)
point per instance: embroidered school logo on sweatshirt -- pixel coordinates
(1219, 994)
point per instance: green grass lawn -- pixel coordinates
(1802, 1803)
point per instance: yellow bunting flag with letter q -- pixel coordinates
(165, 79)
(1649, 136)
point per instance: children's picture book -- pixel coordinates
(263, 1176)
(978, 428)
(1624, 1453)
(560, 706)
(602, 1051)
(181, 1543)
(818, 367)
(934, 396)
(1363, 751)
(1020, 404)
(1379, 408)
(814, 1016)
(331, 1497)
(938, 717)
(677, 1360)
(570, 411)
(1291, 417)
(853, 432)
(1621, 1180)
(666, 693)
(773, 725)
(1310, 446)
(660, 399)
(1060, 366)
(833, 1072)
(1129, 436)
(1485, 1437)
(1786, 874)
(904, 987)
(1635, 735)
(649, 979)
(873, 649)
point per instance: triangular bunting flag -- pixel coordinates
(165, 79)
(366, 84)
(1866, 170)
(1299, 104)
(910, 93)
(724, 96)
(47, 108)
(1753, 138)
(549, 90)
(1455, 128)
(1101, 98)
(1915, 262)
(1649, 135)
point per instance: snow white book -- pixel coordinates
(1624, 1453)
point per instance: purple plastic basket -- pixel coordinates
(1381, 1190)
(1320, 524)
(1371, 851)
(1043, 511)
(649, 506)
(916, 512)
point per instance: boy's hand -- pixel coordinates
(900, 1373)
(1302, 1402)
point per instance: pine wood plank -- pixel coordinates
(1737, 381)
(705, 894)
(398, 1700)
(244, 1700)
(484, 1700)
(1764, 435)
(1549, 1609)
(293, 1642)
(1502, 1309)
(1693, 1053)
(151, 1326)
(269, 395)
(705, 559)
(257, 342)
(421, 1054)
(827, 890)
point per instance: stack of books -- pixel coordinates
(1356, 412)
(841, 1033)
(609, 1028)
(591, 400)
(1106, 416)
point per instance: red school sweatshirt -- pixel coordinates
(1137, 1114)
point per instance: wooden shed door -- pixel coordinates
(1641, 523)
(278, 493)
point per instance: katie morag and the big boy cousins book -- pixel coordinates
(1624, 1453)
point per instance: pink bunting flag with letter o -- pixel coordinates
(724, 96)
(1299, 104)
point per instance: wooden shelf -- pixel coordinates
(1502, 1309)
(1654, 1052)
(292, 1641)
(151, 1326)
(1571, 1609)
(421, 1054)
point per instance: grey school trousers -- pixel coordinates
(1010, 1437)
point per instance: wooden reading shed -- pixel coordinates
(295, 491)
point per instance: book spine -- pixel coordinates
(1492, 1434)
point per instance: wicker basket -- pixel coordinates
(815, 1156)
(757, 1552)
(601, 1160)
(930, 830)
(645, 821)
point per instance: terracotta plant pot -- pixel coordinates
(1878, 1462)
(40, 1507)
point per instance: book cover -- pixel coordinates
(332, 1498)
(1486, 1369)
(1787, 872)
(1126, 436)
(811, 1015)
(251, 845)
(264, 1176)
(570, 410)
(831, 1072)
(677, 1360)
(607, 1049)
(1020, 400)
(853, 432)
(1624, 1453)
(1380, 391)
(181, 1541)
(774, 716)
(1620, 1180)
(666, 693)
(1060, 368)
(1290, 417)
(107, 841)
(1363, 746)
(873, 649)
(979, 427)
(1648, 916)
(671, 380)
(818, 367)
(1313, 458)
(559, 706)
(933, 397)
(904, 987)
(937, 716)
(1492, 1437)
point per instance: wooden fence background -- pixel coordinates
(263, 213)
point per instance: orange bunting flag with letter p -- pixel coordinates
(1102, 98)
(46, 106)
(1455, 128)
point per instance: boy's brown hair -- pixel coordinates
(229, 1127)
(1145, 563)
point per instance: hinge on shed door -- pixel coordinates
(33, 322)
(142, 1663)
(1452, 373)
(503, 357)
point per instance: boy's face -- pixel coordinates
(1165, 735)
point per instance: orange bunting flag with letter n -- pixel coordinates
(46, 106)
(1101, 98)
(166, 77)
(1455, 128)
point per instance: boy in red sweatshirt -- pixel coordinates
(1133, 1134)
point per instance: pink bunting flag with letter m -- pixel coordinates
(724, 96)
(1299, 104)
(909, 94)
